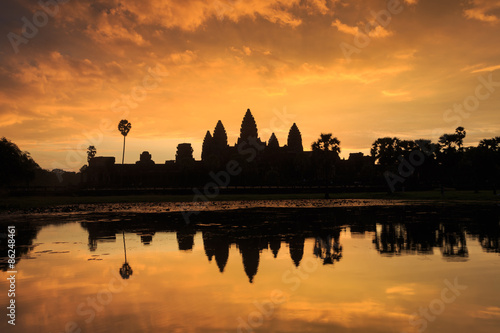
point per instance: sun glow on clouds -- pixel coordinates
(401, 290)
(482, 11)
(224, 56)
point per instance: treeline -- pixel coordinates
(447, 163)
(17, 168)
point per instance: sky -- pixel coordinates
(360, 69)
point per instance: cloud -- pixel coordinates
(346, 314)
(104, 32)
(247, 50)
(183, 58)
(379, 32)
(486, 69)
(492, 312)
(319, 5)
(345, 28)
(481, 11)
(191, 14)
(401, 290)
(376, 31)
(226, 56)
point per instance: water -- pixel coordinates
(262, 269)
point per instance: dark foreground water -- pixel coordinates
(352, 268)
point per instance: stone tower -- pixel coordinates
(207, 146)
(184, 155)
(219, 138)
(273, 142)
(295, 140)
(248, 128)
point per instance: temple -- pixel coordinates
(261, 163)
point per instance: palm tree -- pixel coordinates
(460, 136)
(326, 146)
(450, 142)
(386, 150)
(124, 127)
(91, 152)
(327, 142)
(125, 270)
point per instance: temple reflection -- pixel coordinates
(275, 245)
(250, 250)
(185, 238)
(146, 237)
(99, 233)
(216, 245)
(252, 233)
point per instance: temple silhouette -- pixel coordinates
(261, 162)
(259, 165)
(296, 233)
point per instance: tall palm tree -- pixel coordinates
(326, 146)
(124, 127)
(91, 152)
(125, 270)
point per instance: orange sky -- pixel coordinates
(213, 59)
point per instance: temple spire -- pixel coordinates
(207, 146)
(248, 127)
(220, 135)
(295, 140)
(273, 142)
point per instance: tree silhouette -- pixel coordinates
(490, 144)
(326, 147)
(328, 248)
(451, 156)
(327, 143)
(460, 136)
(91, 152)
(485, 162)
(453, 142)
(125, 271)
(124, 127)
(15, 165)
(385, 151)
(427, 147)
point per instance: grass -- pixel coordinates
(22, 203)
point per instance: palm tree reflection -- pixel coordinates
(125, 270)
(328, 248)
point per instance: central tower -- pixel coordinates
(248, 128)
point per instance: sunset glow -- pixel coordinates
(174, 68)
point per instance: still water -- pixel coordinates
(256, 269)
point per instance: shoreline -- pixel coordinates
(36, 203)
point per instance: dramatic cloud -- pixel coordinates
(483, 10)
(360, 69)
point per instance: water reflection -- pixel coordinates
(328, 248)
(342, 270)
(410, 233)
(125, 270)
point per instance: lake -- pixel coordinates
(284, 266)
